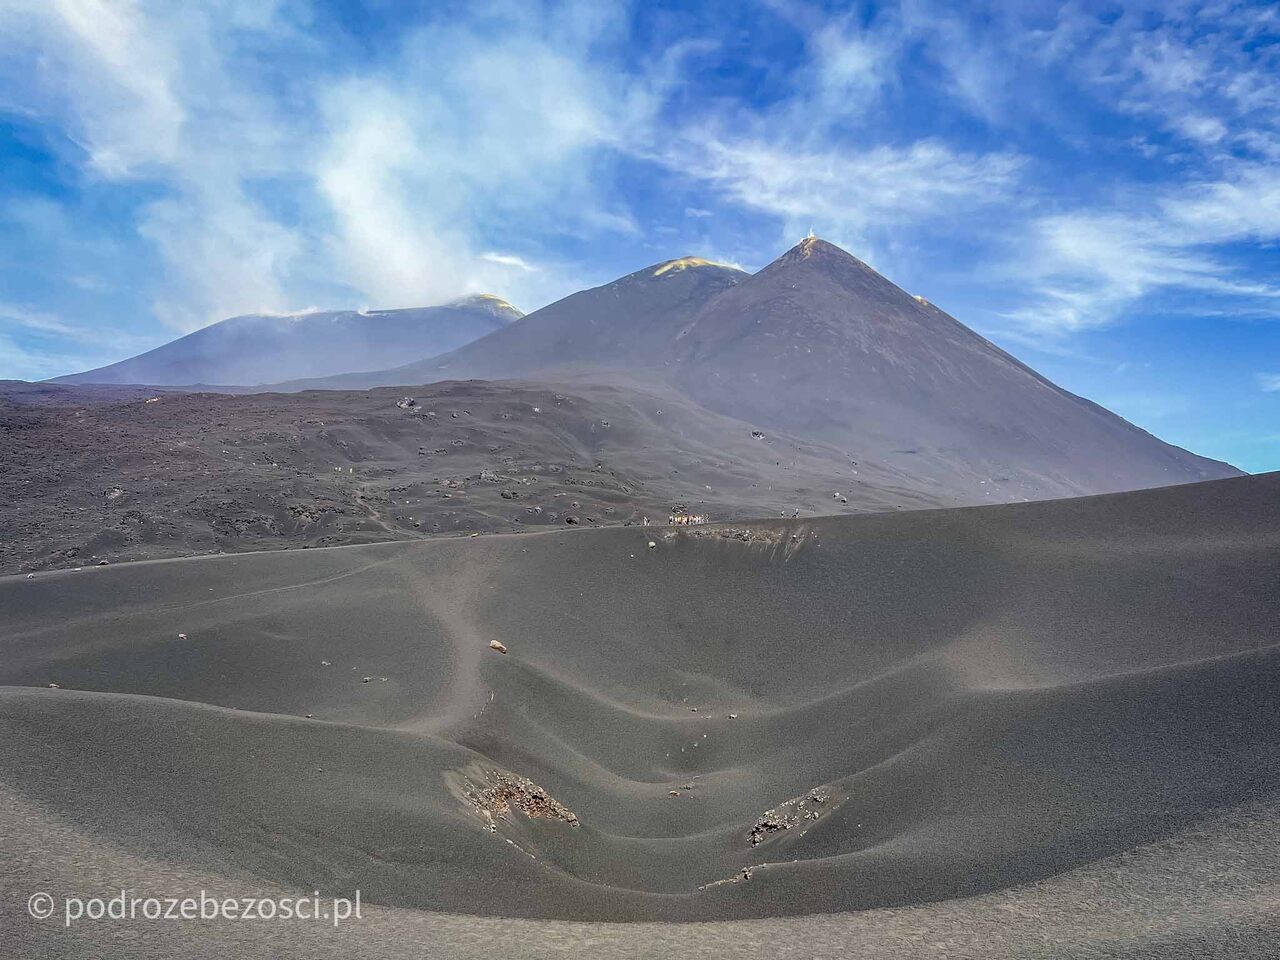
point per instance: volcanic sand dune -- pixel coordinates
(956, 702)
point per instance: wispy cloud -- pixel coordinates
(509, 260)
(1089, 266)
(274, 159)
(51, 326)
(1269, 382)
(845, 192)
(381, 178)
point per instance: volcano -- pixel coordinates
(822, 346)
(258, 348)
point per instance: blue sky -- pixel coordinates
(1096, 187)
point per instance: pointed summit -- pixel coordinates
(817, 249)
(821, 346)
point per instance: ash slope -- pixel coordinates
(120, 473)
(820, 345)
(263, 348)
(979, 698)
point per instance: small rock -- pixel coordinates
(652, 545)
(673, 793)
(31, 576)
(366, 679)
(498, 645)
(54, 686)
(104, 563)
(310, 716)
(182, 636)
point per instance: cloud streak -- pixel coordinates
(269, 157)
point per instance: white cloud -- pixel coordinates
(1089, 266)
(509, 260)
(284, 171)
(845, 192)
(1270, 382)
(392, 170)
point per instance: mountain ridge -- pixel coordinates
(819, 344)
(252, 349)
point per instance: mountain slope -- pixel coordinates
(260, 348)
(628, 323)
(820, 345)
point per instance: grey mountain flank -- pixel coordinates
(814, 386)
(260, 348)
(820, 345)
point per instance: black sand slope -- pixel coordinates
(760, 720)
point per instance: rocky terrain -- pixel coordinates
(117, 474)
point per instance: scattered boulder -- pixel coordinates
(757, 434)
(498, 645)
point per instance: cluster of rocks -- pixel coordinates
(789, 814)
(502, 792)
